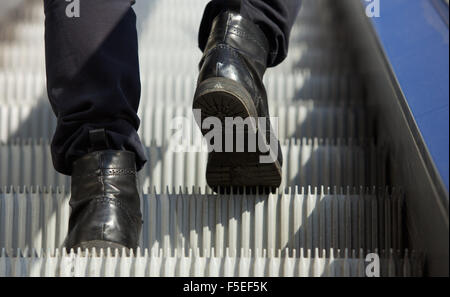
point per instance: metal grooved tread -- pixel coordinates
(309, 162)
(158, 88)
(304, 119)
(112, 263)
(335, 205)
(296, 218)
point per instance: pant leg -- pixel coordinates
(274, 17)
(92, 77)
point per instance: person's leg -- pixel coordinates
(274, 17)
(92, 77)
(94, 88)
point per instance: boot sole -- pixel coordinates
(232, 171)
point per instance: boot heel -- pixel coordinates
(222, 97)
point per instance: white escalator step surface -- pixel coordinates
(166, 60)
(308, 162)
(157, 88)
(294, 219)
(303, 119)
(113, 263)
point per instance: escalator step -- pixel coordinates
(297, 218)
(180, 88)
(303, 119)
(110, 263)
(308, 162)
(14, 57)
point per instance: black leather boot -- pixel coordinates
(105, 200)
(230, 85)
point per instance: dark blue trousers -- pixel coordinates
(93, 69)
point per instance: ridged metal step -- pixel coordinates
(29, 58)
(180, 88)
(302, 119)
(112, 263)
(294, 219)
(308, 162)
(32, 12)
(32, 33)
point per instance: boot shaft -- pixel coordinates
(231, 29)
(106, 173)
